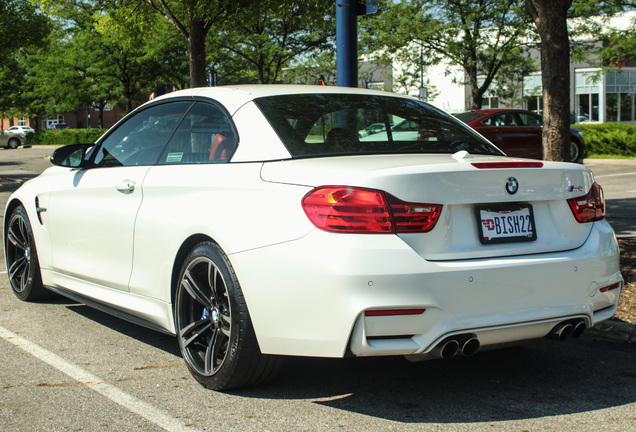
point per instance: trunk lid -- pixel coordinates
(462, 188)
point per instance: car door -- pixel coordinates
(506, 131)
(91, 212)
(531, 125)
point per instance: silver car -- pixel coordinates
(11, 140)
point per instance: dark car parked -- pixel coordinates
(517, 132)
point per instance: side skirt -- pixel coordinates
(110, 309)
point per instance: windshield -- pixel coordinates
(468, 116)
(336, 124)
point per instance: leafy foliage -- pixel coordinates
(64, 137)
(23, 28)
(482, 36)
(617, 139)
(269, 35)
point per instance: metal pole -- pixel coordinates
(347, 43)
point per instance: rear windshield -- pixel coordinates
(336, 124)
(468, 116)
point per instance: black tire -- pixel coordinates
(213, 325)
(574, 153)
(23, 267)
(13, 143)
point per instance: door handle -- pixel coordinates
(126, 186)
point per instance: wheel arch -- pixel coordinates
(183, 251)
(11, 206)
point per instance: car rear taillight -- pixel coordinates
(367, 211)
(591, 207)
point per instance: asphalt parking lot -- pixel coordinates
(68, 367)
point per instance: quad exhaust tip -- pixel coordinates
(466, 345)
(567, 329)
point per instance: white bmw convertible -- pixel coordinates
(259, 222)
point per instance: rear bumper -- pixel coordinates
(309, 297)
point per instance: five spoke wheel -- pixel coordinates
(213, 325)
(22, 260)
(204, 316)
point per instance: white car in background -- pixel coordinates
(253, 223)
(20, 130)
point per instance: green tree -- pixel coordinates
(100, 57)
(140, 53)
(269, 34)
(480, 35)
(311, 68)
(194, 19)
(23, 29)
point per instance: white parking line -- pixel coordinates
(131, 403)
(615, 175)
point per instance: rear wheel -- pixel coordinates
(575, 151)
(213, 325)
(22, 259)
(13, 143)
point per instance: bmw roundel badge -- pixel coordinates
(512, 185)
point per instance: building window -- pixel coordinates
(621, 93)
(534, 104)
(533, 93)
(489, 102)
(587, 107)
(22, 121)
(587, 87)
(619, 107)
(611, 107)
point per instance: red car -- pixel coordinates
(516, 132)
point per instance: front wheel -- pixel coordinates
(22, 259)
(213, 325)
(13, 143)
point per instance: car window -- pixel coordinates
(530, 119)
(139, 139)
(467, 117)
(335, 124)
(502, 119)
(206, 135)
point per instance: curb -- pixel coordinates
(617, 331)
(609, 161)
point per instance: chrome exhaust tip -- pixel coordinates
(448, 348)
(579, 329)
(561, 332)
(470, 346)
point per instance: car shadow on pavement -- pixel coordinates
(150, 337)
(621, 214)
(538, 380)
(542, 379)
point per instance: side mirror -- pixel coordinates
(71, 156)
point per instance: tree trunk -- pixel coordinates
(196, 53)
(550, 17)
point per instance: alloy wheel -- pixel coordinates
(204, 316)
(18, 253)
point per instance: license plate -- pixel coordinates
(506, 223)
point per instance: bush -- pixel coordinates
(609, 139)
(64, 137)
